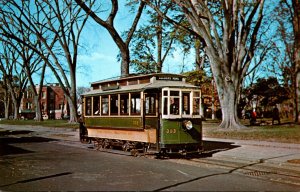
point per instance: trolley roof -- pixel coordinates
(135, 83)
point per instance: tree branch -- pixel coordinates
(135, 22)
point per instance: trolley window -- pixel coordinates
(178, 103)
(150, 104)
(174, 106)
(88, 106)
(96, 105)
(165, 104)
(165, 93)
(171, 101)
(104, 104)
(186, 103)
(124, 104)
(196, 103)
(174, 102)
(135, 103)
(114, 103)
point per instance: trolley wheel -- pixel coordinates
(85, 140)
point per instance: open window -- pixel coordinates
(196, 102)
(171, 102)
(186, 102)
(135, 103)
(124, 104)
(165, 102)
(96, 105)
(88, 106)
(150, 104)
(114, 103)
(174, 102)
(104, 105)
(177, 103)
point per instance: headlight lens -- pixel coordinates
(188, 125)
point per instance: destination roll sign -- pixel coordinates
(169, 78)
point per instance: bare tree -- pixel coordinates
(5, 96)
(14, 75)
(57, 25)
(31, 63)
(108, 24)
(287, 16)
(229, 31)
(284, 50)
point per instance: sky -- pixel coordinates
(98, 58)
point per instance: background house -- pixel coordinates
(53, 103)
(210, 100)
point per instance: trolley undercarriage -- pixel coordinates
(136, 149)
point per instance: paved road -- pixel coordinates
(53, 159)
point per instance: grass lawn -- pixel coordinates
(46, 123)
(287, 132)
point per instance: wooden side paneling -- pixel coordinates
(147, 135)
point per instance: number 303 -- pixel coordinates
(171, 131)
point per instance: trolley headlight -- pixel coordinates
(188, 125)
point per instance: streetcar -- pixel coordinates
(150, 113)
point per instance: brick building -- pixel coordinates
(53, 103)
(210, 101)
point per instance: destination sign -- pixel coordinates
(168, 78)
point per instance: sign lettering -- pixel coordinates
(168, 78)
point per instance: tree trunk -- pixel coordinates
(228, 88)
(14, 101)
(16, 110)
(72, 100)
(228, 101)
(199, 61)
(159, 44)
(295, 83)
(6, 106)
(125, 61)
(296, 23)
(73, 111)
(38, 111)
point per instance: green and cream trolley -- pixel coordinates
(155, 112)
